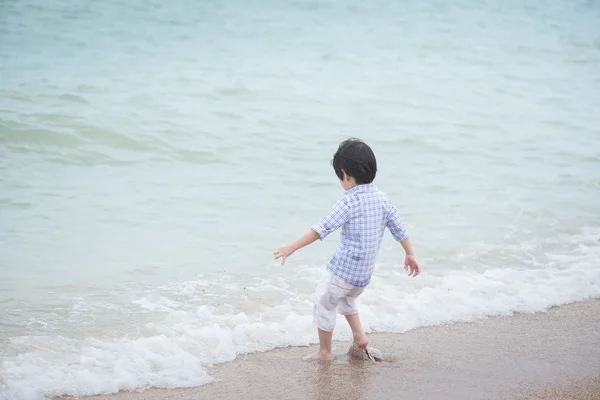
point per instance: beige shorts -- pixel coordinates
(334, 295)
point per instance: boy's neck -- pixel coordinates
(348, 182)
(352, 185)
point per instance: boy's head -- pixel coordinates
(357, 160)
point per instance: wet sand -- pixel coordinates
(552, 355)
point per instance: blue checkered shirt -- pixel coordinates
(363, 213)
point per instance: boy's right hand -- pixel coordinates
(411, 262)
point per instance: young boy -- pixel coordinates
(363, 213)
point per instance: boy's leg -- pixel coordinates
(324, 316)
(360, 339)
(324, 347)
(347, 307)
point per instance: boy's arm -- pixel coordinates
(396, 227)
(407, 246)
(286, 250)
(410, 261)
(337, 216)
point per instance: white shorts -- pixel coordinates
(333, 294)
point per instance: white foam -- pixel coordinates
(189, 327)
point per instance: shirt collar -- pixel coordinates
(368, 187)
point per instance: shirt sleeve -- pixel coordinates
(396, 226)
(335, 219)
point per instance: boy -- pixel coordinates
(363, 213)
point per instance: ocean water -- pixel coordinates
(154, 154)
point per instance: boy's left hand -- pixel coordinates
(284, 251)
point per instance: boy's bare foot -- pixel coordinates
(361, 341)
(318, 357)
(357, 353)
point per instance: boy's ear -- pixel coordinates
(345, 176)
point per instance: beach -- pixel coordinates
(553, 354)
(153, 155)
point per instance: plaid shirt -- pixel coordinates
(363, 213)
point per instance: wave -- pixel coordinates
(73, 141)
(190, 325)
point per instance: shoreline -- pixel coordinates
(552, 354)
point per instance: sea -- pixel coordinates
(154, 154)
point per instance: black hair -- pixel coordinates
(356, 159)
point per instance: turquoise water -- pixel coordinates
(153, 155)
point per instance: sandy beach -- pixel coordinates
(547, 355)
(154, 155)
